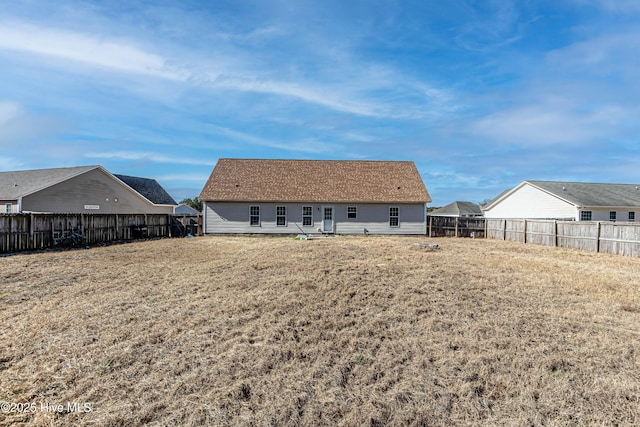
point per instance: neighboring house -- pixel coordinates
(313, 196)
(579, 201)
(83, 189)
(183, 209)
(458, 209)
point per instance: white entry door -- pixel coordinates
(327, 219)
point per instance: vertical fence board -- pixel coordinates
(606, 237)
(449, 226)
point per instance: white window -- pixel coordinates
(394, 217)
(307, 216)
(585, 215)
(281, 216)
(632, 216)
(352, 212)
(254, 216)
(8, 208)
(612, 215)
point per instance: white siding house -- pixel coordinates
(577, 201)
(247, 196)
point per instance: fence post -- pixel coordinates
(555, 232)
(457, 221)
(430, 224)
(524, 234)
(31, 233)
(504, 230)
(598, 238)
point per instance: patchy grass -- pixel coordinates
(345, 331)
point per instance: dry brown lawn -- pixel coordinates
(344, 331)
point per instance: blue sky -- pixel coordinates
(481, 95)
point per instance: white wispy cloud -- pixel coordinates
(313, 93)
(148, 156)
(547, 124)
(609, 54)
(308, 146)
(18, 125)
(9, 163)
(85, 48)
(617, 6)
(378, 92)
(9, 111)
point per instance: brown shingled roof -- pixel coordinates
(250, 180)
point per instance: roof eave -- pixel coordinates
(369, 202)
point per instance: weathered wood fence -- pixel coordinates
(620, 238)
(448, 226)
(24, 232)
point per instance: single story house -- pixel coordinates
(579, 201)
(82, 189)
(314, 196)
(183, 209)
(458, 209)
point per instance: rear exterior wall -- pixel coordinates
(234, 218)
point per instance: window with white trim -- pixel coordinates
(352, 212)
(585, 215)
(307, 216)
(281, 216)
(612, 216)
(8, 208)
(632, 216)
(254, 216)
(394, 216)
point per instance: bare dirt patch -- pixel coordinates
(344, 331)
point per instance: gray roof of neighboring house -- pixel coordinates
(584, 194)
(458, 209)
(185, 209)
(16, 184)
(149, 188)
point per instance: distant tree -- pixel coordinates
(194, 203)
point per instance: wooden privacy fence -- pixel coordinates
(24, 232)
(449, 226)
(619, 238)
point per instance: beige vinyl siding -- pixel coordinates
(91, 189)
(530, 202)
(233, 218)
